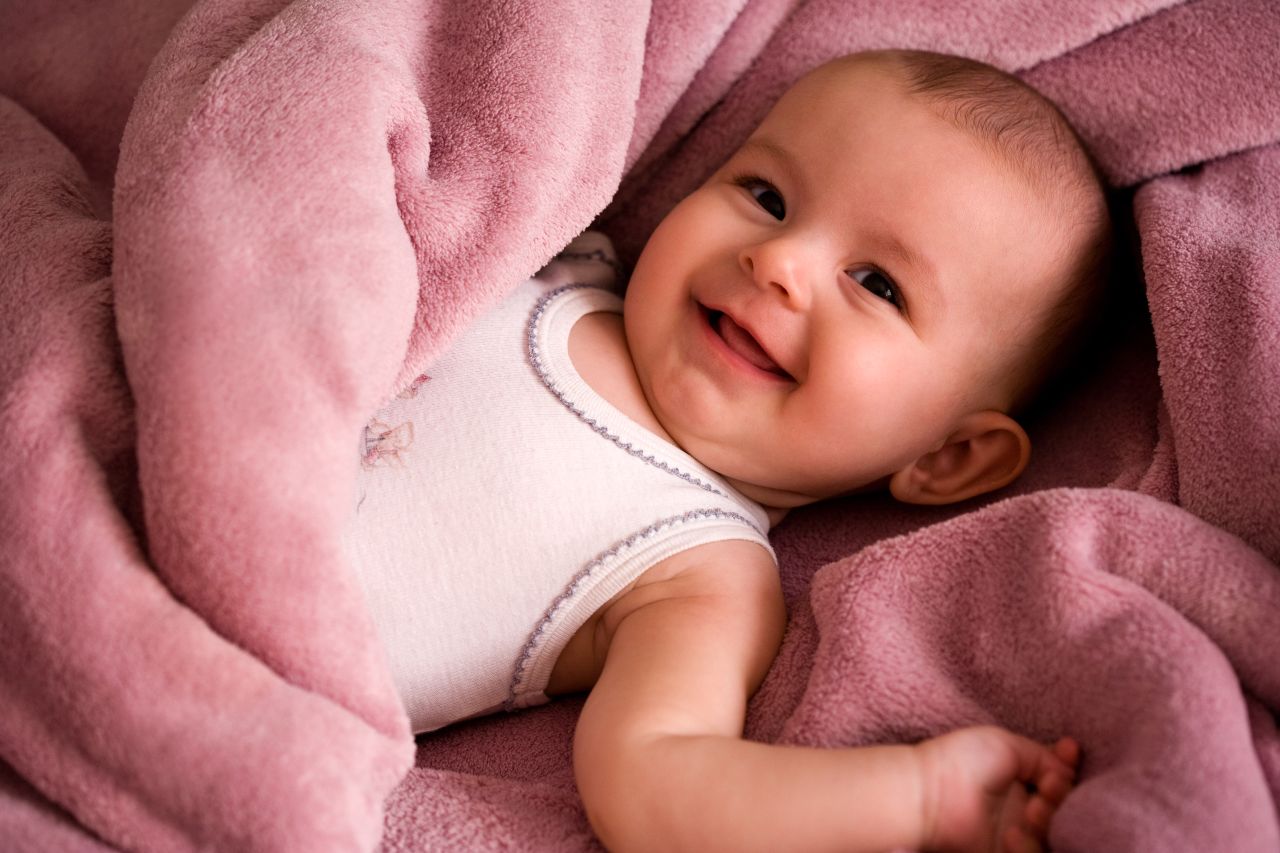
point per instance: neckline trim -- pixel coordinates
(549, 356)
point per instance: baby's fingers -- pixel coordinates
(1053, 787)
(1067, 751)
(1037, 815)
(1056, 775)
(1037, 763)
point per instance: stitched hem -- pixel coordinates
(535, 360)
(536, 638)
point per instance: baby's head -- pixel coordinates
(873, 285)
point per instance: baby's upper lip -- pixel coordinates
(752, 328)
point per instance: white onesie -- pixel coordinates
(501, 502)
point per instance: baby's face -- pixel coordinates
(839, 294)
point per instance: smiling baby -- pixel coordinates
(862, 297)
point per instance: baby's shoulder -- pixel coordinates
(739, 572)
(726, 567)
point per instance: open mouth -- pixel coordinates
(742, 343)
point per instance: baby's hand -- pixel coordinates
(976, 793)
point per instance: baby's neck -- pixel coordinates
(598, 350)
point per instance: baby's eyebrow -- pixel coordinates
(777, 153)
(926, 274)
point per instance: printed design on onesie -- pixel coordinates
(383, 444)
(414, 387)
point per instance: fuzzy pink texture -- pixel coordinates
(312, 198)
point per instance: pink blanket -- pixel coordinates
(227, 234)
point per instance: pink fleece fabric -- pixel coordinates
(228, 232)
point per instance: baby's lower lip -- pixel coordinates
(713, 318)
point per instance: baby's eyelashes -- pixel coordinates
(878, 284)
(765, 194)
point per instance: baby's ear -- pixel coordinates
(987, 450)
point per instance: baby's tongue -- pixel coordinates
(741, 342)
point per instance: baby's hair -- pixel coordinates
(1032, 136)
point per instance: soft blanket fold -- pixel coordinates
(311, 198)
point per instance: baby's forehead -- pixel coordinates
(1017, 126)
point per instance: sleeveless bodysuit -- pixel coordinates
(501, 502)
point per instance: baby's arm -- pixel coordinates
(661, 764)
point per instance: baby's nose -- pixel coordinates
(779, 265)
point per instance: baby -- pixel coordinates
(578, 497)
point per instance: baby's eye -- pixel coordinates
(765, 194)
(878, 284)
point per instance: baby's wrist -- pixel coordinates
(896, 785)
(924, 799)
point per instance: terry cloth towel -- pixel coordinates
(229, 231)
